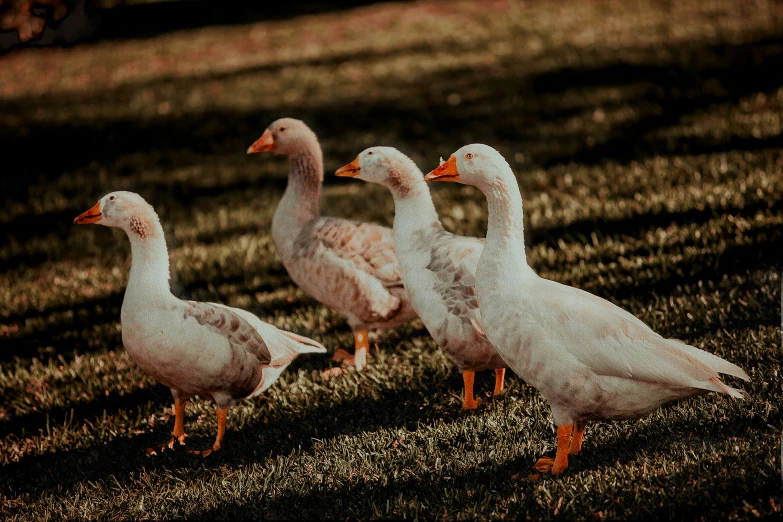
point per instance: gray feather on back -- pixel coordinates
(453, 260)
(240, 333)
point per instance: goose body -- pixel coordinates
(207, 349)
(589, 358)
(347, 265)
(438, 267)
(195, 348)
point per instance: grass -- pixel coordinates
(646, 138)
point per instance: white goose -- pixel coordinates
(347, 265)
(205, 349)
(589, 358)
(438, 268)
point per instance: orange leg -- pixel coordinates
(500, 374)
(469, 402)
(359, 358)
(560, 462)
(179, 421)
(576, 438)
(221, 417)
(362, 349)
(178, 435)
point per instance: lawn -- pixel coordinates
(646, 137)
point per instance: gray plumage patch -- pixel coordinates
(367, 246)
(249, 352)
(140, 227)
(234, 327)
(456, 280)
(398, 183)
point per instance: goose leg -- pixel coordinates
(557, 465)
(178, 435)
(221, 417)
(469, 402)
(500, 374)
(359, 358)
(576, 439)
(362, 349)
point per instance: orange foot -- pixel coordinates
(544, 464)
(550, 465)
(342, 355)
(206, 452)
(471, 404)
(170, 445)
(221, 418)
(359, 359)
(559, 464)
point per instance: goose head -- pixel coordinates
(475, 164)
(385, 166)
(285, 136)
(125, 210)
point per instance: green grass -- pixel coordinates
(646, 138)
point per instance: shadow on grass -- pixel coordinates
(688, 84)
(682, 85)
(38, 225)
(148, 19)
(106, 310)
(278, 432)
(580, 231)
(441, 490)
(90, 21)
(761, 252)
(360, 500)
(712, 487)
(735, 259)
(282, 430)
(80, 412)
(27, 226)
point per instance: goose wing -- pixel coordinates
(612, 342)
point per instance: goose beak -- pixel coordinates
(263, 144)
(349, 171)
(447, 171)
(91, 216)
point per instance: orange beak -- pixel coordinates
(91, 216)
(350, 170)
(263, 144)
(447, 171)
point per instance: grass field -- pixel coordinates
(646, 137)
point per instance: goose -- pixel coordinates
(195, 348)
(438, 268)
(589, 358)
(349, 266)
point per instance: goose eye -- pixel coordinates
(369, 153)
(469, 155)
(112, 198)
(282, 129)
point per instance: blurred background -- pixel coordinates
(646, 136)
(593, 100)
(63, 22)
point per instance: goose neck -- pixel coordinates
(413, 206)
(149, 273)
(301, 200)
(505, 229)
